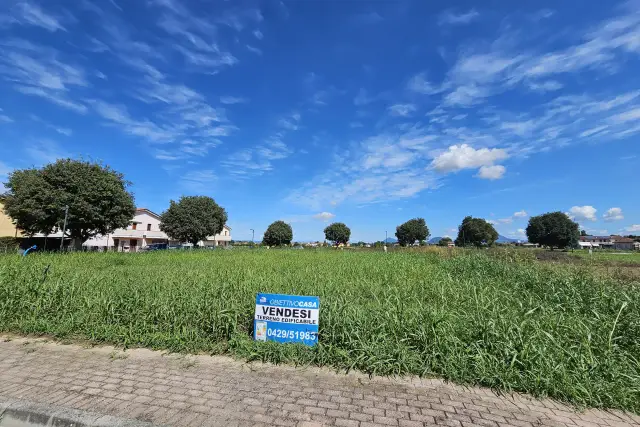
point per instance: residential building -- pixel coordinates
(144, 230)
(7, 228)
(607, 242)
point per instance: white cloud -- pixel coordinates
(546, 86)
(5, 119)
(256, 161)
(32, 14)
(258, 34)
(55, 97)
(64, 131)
(118, 114)
(232, 100)
(491, 172)
(635, 228)
(290, 122)
(458, 157)
(420, 84)
(401, 110)
(593, 131)
(324, 216)
(198, 180)
(466, 95)
(583, 213)
(613, 214)
(385, 167)
(627, 116)
(451, 18)
(509, 220)
(37, 71)
(254, 49)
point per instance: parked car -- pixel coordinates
(156, 247)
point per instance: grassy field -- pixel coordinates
(630, 257)
(494, 320)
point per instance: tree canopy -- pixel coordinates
(553, 229)
(444, 241)
(278, 233)
(476, 231)
(412, 230)
(337, 233)
(96, 195)
(193, 218)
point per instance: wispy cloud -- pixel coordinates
(251, 162)
(4, 118)
(451, 18)
(388, 166)
(37, 71)
(198, 180)
(28, 13)
(43, 151)
(419, 84)
(401, 110)
(254, 49)
(196, 37)
(232, 100)
(290, 122)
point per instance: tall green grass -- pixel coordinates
(503, 322)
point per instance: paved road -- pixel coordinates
(218, 391)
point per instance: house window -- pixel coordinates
(134, 226)
(148, 227)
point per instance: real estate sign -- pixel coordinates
(286, 318)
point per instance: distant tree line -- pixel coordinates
(96, 200)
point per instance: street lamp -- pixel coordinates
(252, 236)
(385, 237)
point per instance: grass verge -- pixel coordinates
(502, 322)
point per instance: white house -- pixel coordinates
(144, 230)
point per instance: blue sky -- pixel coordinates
(369, 113)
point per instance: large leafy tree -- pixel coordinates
(96, 195)
(444, 241)
(278, 233)
(193, 218)
(476, 231)
(412, 230)
(553, 229)
(337, 233)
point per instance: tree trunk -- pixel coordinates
(77, 243)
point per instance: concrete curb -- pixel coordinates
(24, 413)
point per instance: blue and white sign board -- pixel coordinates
(286, 318)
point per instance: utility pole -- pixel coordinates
(252, 236)
(385, 237)
(64, 227)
